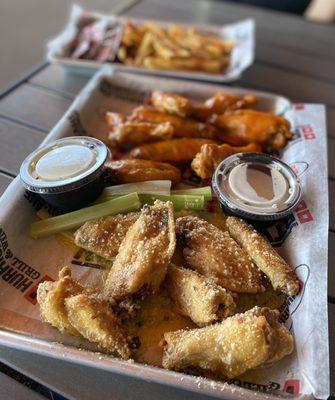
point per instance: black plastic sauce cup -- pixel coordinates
(81, 178)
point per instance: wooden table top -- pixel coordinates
(293, 57)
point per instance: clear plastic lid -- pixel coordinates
(256, 186)
(64, 165)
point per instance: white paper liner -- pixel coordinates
(302, 238)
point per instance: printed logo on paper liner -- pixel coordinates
(16, 273)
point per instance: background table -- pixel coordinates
(293, 57)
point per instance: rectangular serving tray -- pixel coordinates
(23, 333)
(243, 32)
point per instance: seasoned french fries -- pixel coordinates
(151, 46)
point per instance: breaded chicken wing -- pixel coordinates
(144, 254)
(94, 319)
(183, 128)
(127, 171)
(264, 255)
(249, 126)
(175, 150)
(51, 298)
(213, 253)
(239, 343)
(139, 132)
(210, 156)
(198, 297)
(103, 236)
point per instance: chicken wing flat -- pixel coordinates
(197, 297)
(210, 156)
(220, 103)
(213, 253)
(232, 347)
(95, 320)
(103, 236)
(175, 150)
(132, 132)
(171, 103)
(127, 171)
(183, 128)
(144, 254)
(113, 118)
(265, 257)
(51, 298)
(249, 126)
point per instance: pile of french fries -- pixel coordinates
(173, 48)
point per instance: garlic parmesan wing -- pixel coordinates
(264, 255)
(213, 253)
(198, 297)
(94, 319)
(239, 343)
(103, 236)
(144, 254)
(51, 297)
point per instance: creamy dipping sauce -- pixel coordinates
(258, 184)
(64, 162)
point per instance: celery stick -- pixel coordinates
(205, 191)
(180, 202)
(75, 219)
(149, 187)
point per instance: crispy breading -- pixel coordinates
(183, 127)
(171, 103)
(51, 298)
(250, 126)
(132, 132)
(198, 297)
(144, 254)
(136, 170)
(175, 150)
(213, 253)
(210, 156)
(264, 255)
(103, 236)
(95, 320)
(239, 343)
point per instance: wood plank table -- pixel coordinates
(293, 58)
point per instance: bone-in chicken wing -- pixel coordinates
(171, 103)
(249, 126)
(239, 343)
(132, 132)
(127, 171)
(95, 320)
(183, 127)
(221, 102)
(198, 297)
(215, 254)
(210, 156)
(265, 257)
(175, 150)
(113, 118)
(51, 298)
(144, 254)
(103, 236)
